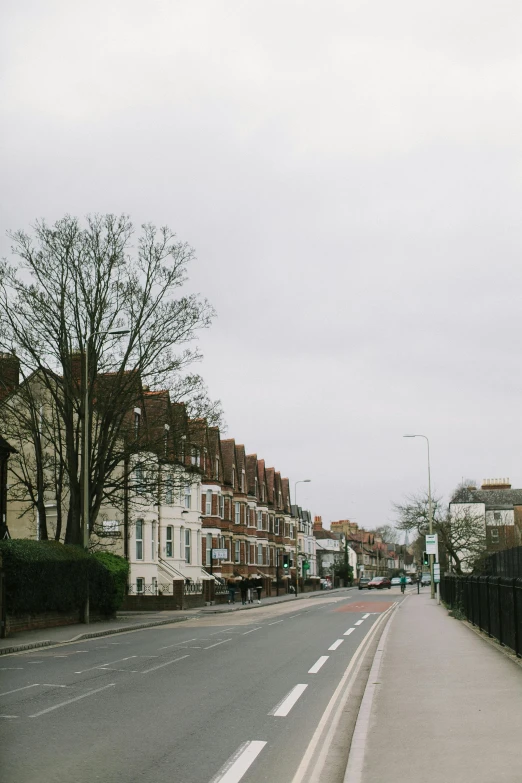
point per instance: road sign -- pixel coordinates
(436, 572)
(219, 554)
(432, 545)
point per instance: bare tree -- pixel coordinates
(388, 533)
(462, 534)
(68, 288)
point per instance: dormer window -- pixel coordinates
(242, 481)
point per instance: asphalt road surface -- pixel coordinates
(248, 696)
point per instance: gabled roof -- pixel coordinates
(251, 473)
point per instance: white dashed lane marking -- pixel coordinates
(349, 631)
(239, 762)
(318, 664)
(282, 709)
(336, 644)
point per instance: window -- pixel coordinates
(139, 539)
(216, 468)
(237, 552)
(188, 495)
(208, 556)
(169, 542)
(166, 439)
(152, 541)
(243, 481)
(221, 542)
(208, 506)
(195, 457)
(247, 553)
(169, 491)
(221, 506)
(137, 417)
(291, 531)
(139, 479)
(237, 518)
(188, 540)
(260, 554)
(494, 536)
(276, 526)
(140, 584)
(259, 520)
(497, 516)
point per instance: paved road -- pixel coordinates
(218, 698)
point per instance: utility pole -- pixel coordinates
(430, 512)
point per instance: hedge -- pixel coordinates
(46, 576)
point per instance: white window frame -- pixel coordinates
(188, 545)
(208, 503)
(276, 526)
(221, 506)
(153, 541)
(237, 513)
(237, 551)
(140, 585)
(169, 541)
(188, 496)
(260, 554)
(208, 552)
(140, 524)
(259, 520)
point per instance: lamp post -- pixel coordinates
(430, 510)
(303, 481)
(85, 446)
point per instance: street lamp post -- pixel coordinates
(86, 463)
(303, 481)
(430, 510)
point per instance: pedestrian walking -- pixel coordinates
(250, 590)
(418, 583)
(244, 590)
(231, 591)
(259, 588)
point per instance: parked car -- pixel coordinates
(396, 580)
(364, 581)
(379, 582)
(426, 579)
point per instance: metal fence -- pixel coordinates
(492, 603)
(220, 588)
(507, 563)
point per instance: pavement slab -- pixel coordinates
(447, 706)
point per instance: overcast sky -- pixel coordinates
(349, 174)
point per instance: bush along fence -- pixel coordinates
(46, 584)
(492, 603)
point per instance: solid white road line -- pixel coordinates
(101, 665)
(216, 644)
(365, 616)
(25, 687)
(252, 630)
(70, 701)
(349, 631)
(327, 726)
(318, 664)
(282, 709)
(336, 644)
(354, 768)
(358, 622)
(239, 762)
(161, 665)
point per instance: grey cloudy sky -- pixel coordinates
(350, 176)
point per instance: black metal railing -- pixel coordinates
(492, 603)
(507, 563)
(220, 588)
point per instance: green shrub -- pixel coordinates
(119, 570)
(46, 576)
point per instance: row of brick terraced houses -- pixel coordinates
(217, 511)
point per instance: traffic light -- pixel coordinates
(286, 562)
(425, 558)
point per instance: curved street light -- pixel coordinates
(430, 510)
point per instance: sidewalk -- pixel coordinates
(447, 705)
(129, 621)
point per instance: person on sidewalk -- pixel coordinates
(259, 588)
(231, 591)
(250, 586)
(403, 583)
(244, 591)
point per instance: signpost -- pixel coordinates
(432, 545)
(436, 572)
